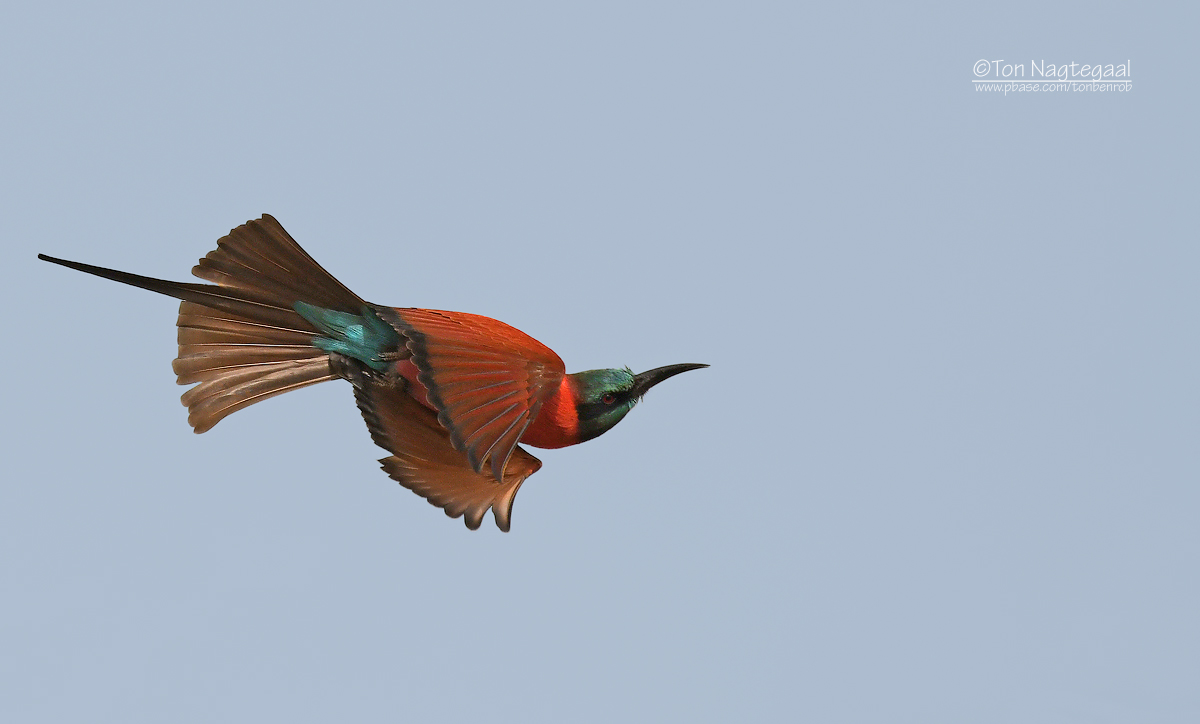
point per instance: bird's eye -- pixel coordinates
(609, 398)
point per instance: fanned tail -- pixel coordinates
(240, 337)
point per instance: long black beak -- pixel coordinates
(646, 380)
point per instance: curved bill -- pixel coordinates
(646, 380)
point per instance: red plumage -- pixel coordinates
(487, 380)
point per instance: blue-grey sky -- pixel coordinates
(944, 467)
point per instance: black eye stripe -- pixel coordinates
(601, 406)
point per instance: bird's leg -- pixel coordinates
(348, 369)
(391, 377)
(359, 375)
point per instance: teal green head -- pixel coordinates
(604, 397)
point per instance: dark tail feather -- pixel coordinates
(241, 339)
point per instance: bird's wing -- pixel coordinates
(424, 461)
(487, 379)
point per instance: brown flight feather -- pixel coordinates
(424, 460)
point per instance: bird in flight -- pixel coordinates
(448, 394)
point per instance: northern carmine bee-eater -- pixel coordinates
(448, 394)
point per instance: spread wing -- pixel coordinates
(424, 461)
(487, 379)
